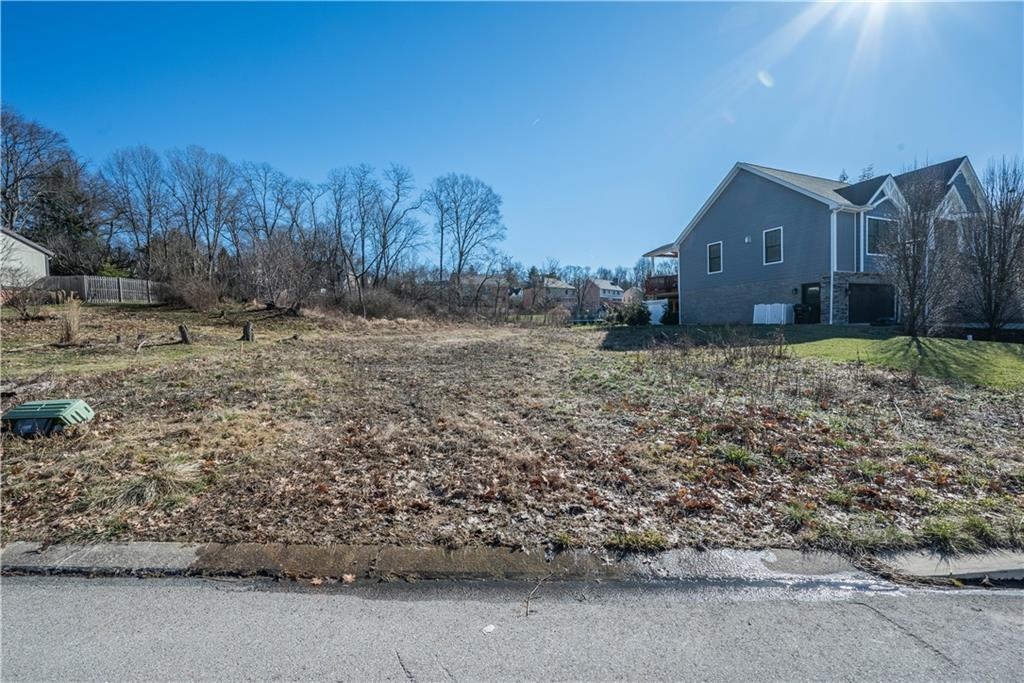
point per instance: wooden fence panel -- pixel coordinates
(96, 289)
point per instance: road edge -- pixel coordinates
(394, 563)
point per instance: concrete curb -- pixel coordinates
(996, 565)
(387, 563)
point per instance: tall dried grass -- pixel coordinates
(70, 321)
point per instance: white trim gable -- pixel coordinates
(741, 166)
(888, 190)
(952, 205)
(966, 169)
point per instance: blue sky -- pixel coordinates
(604, 126)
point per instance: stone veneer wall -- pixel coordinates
(842, 299)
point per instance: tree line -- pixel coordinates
(195, 219)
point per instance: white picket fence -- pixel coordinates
(96, 289)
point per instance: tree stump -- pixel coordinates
(247, 333)
(183, 332)
(119, 340)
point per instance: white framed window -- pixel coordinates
(772, 241)
(877, 234)
(714, 258)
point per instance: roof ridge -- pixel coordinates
(959, 161)
(806, 175)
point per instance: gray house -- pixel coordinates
(767, 236)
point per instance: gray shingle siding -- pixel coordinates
(748, 206)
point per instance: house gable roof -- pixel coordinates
(834, 193)
(861, 193)
(942, 172)
(824, 189)
(26, 241)
(555, 283)
(821, 189)
(605, 284)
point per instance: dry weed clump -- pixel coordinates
(70, 321)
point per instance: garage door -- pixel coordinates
(868, 303)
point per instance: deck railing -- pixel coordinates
(661, 285)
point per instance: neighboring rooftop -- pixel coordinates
(24, 240)
(605, 284)
(554, 282)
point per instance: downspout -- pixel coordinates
(832, 269)
(679, 283)
(860, 242)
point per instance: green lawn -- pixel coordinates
(998, 365)
(994, 364)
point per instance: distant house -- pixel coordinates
(597, 293)
(22, 261)
(633, 295)
(768, 236)
(550, 293)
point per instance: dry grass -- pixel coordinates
(70, 321)
(406, 432)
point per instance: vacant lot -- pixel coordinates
(335, 431)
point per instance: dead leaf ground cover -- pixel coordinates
(415, 433)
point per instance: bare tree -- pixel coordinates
(204, 196)
(136, 183)
(397, 229)
(469, 211)
(921, 256)
(30, 152)
(263, 197)
(993, 241)
(435, 201)
(578, 277)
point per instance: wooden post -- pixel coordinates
(120, 292)
(247, 333)
(149, 298)
(183, 331)
(119, 340)
(85, 288)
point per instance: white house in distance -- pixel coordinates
(22, 261)
(597, 292)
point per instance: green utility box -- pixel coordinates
(46, 417)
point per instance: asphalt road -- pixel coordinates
(162, 629)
